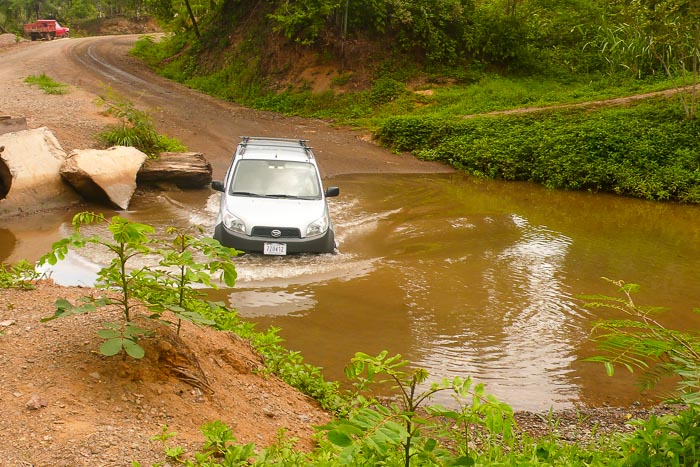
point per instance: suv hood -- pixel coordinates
(275, 212)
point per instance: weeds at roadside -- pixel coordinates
(47, 84)
(20, 275)
(135, 127)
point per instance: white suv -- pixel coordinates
(272, 200)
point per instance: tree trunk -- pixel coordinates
(194, 20)
(184, 169)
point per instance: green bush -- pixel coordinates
(385, 90)
(647, 151)
(20, 275)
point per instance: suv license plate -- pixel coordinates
(279, 249)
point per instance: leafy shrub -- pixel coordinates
(647, 151)
(377, 433)
(386, 90)
(666, 440)
(641, 342)
(135, 128)
(160, 289)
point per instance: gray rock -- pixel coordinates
(29, 173)
(106, 176)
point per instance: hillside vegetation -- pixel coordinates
(411, 71)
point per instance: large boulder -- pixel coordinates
(30, 181)
(104, 175)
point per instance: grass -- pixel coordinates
(47, 84)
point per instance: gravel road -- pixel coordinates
(92, 65)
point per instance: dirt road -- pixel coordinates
(94, 64)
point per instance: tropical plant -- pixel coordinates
(655, 36)
(186, 258)
(375, 432)
(641, 342)
(129, 289)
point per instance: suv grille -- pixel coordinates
(267, 232)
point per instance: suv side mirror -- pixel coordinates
(332, 191)
(217, 185)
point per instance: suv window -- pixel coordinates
(275, 178)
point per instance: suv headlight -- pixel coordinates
(319, 226)
(232, 222)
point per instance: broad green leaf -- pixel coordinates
(133, 349)
(134, 331)
(108, 333)
(111, 347)
(430, 445)
(339, 439)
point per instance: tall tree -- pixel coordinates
(192, 18)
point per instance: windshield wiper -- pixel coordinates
(244, 193)
(280, 195)
(291, 196)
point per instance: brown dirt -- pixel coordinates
(65, 404)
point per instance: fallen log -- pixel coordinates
(184, 169)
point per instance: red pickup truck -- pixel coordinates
(45, 29)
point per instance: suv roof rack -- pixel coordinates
(264, 141)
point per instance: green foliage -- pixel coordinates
(478, 430)
(373, 433)
(47, 84)
(641, 342)
(385, 90)
(171, 452)
(646, 151)
(135, 128)
(286, 364)
(303, 21)
(169, 287)
(222, 449)
(657, 36)
(20, 275)
(672, 440)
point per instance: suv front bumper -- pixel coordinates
(321, 244)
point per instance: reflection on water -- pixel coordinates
(460, 276)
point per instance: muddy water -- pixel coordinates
(460, 276)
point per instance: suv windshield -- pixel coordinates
(275, 178)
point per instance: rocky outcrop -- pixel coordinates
(107, 176)
(29, 173)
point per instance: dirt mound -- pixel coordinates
(63, 403)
